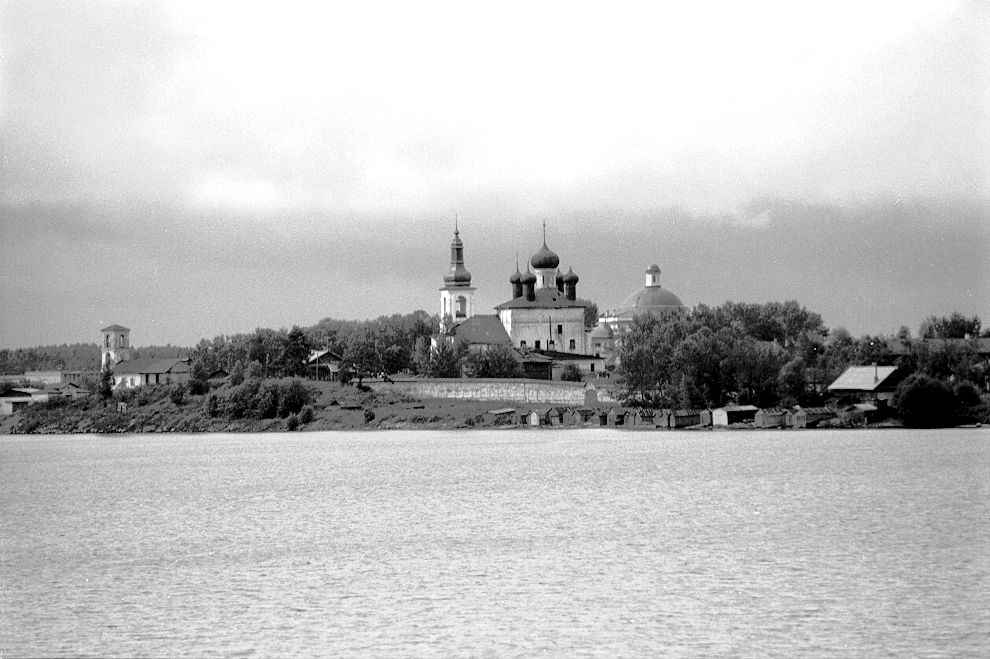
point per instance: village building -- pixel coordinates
(867, 384)
(115, 346)
(141, 372)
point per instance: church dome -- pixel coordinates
(652, 297)
(457, 275)
(570, 277)
(545, 258)
(516, 277)
(529, 277)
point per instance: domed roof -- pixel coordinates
(651, 298)
(570, 277)
(516, 277)
(545, 258)
(529, 277)
(457, 275)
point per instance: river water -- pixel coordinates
(497, 543)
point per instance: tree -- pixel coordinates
(571, 373)
(496, 361)
(924, 402)
(590, 315)
(105, 387)
(955, 326)
(295, 351)
(446, 360)
(646, 356)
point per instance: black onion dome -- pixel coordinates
(458, 275)
(570, 277)
(516, 277)
(545, 258)
(528, 278)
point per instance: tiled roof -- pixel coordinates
(115, 328)
(482, 329)
(545, 298)
(141, 366)
(862, 378)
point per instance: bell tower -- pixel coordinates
(115, 347)
(457, 294)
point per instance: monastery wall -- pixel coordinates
(520, 391)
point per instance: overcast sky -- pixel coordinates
(189, 169)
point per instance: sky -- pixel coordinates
(192, 169)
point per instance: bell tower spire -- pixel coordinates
(457, 294)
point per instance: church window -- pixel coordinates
(536, 344)
(522, 344)
(461, 306)
(593, 366)
(572, 344)
(560, 329)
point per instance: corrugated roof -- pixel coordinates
(545, 298)
(862, 378)
(485, 328)
(141, 366)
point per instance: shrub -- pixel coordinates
(292, 397)
(292, 422)
(924, 402)
(967, 394)
(571, 373)
(369, 415)
(306, 415)
(177, 393)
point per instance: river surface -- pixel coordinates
(497, 543)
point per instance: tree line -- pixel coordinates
(774, 354)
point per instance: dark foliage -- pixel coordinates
(924, 402)
(570, 373)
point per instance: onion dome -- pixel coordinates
(516, 277)
(545, 258)
(458, 274)
(529, 277)
(570, 277)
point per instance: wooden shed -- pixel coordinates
(683, 418)
(810, 417)
(725, 416)
(771, 417)
(706, 417)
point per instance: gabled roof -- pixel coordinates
(863, 378)
(482, 329)
(320, 354)
(545, 298)
(115, 328)
(142, 366)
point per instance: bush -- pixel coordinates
(571, 373)
(306, 415)
(967, 394)
(292, 422)
(924, 402)
(369, 415)
(177, 394)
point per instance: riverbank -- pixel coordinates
(293, 405)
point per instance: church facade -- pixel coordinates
(544, 318)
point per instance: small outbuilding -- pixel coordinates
(809, 417)
(683, 418)
(726, 416)
(772, 417)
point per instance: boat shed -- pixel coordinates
(726, 416)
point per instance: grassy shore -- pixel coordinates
(331, 407)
